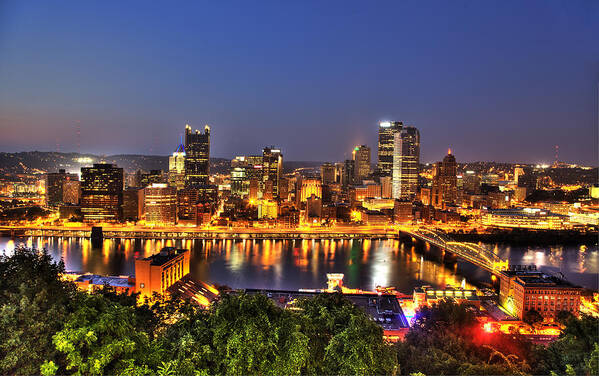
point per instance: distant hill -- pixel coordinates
(41, 161)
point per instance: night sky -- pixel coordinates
(493, 80)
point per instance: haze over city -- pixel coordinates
(503, 81)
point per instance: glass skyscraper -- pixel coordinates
(406, 159)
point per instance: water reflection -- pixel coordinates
(289, 264)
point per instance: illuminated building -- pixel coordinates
(526, 290)
(361, 158)
(386, 145)
(471, 182)
(529, 218)
(284, 189)
(101, 193)
(272, 162)
(375, 218)
(402, 211)
(386, 186)
(240, 183)
(176, 168)
(55, 186)
(427, 295)
(289, 216)
(444, 191)
(158, 272)
(254, 189)
(313, 208)
(152, 177)
(160, 204)
(327, 174)
(267, 209)
(594, 191)
(309, 187)
(133, 204)
(339, 166)
(406, 159)
(197, 157)
(378, 203)
(187, 200)
(71, 192)
(93, 282)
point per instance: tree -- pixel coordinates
(343, 339)
(532, 317)
(251, 335)
(101, 337)
(575, 349)
(563, 317)
(34, 303)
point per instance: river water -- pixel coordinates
(294, 264)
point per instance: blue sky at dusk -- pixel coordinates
(493, 80)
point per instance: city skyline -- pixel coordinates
(350, 68)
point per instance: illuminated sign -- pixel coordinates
(385, 124)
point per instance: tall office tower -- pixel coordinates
(272, 168)
(445, 182)
(160, 204)
(387, 130)
(339, 172)
(361, 158)
(348, 173)
(102, 193)
(55, 185)
(176, 168)
(240, 183)
(406, 158)
(71, 192)
(386, 186)
(197, 157)
(327, 174)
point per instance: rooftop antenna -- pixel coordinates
(556, 163)
(78, 136)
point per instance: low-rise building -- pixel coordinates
(529, 218)
(523, 290)
(155, 274)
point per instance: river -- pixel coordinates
(294, 264)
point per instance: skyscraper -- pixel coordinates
(406, 159)
(55, 186)
(102, 193)
(445, 189)
(387, 130)
(160, 204)
(197, 157)
(272, 167)
(176, 168)
(361, 158)
(327, 174)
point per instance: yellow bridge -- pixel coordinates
(474, 253)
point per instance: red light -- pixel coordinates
(487, 327)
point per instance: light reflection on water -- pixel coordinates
(288, 264)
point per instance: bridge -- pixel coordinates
(474, 253)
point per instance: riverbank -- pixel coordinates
(530, 237)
